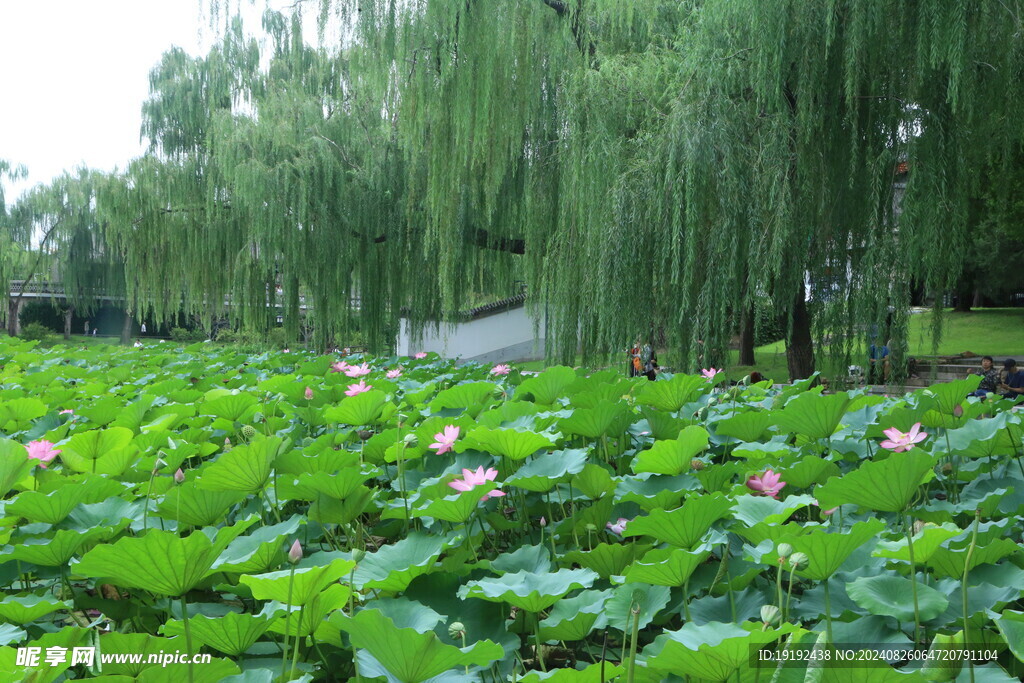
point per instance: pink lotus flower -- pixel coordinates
(825, 512)
(899, 442)
(618, 526)
(354, 389)
(471, 479)
(68, 411)
(340, 366)
(501, 369)
(767, 484)
(393, 374)
(358, 370)
(43, 451)
(309, 394)
(709, 374)
(420, 355)
(445, 440)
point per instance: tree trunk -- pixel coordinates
(747, 336)
(13, 309)
(799, 347)
(68, 314)
(126, 329)
(977, 298)
(964, 294)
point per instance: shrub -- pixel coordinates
(44, 314)
(36, 332)
(180, 334)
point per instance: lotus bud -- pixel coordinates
(785, 550)
(227, 444)
(543, 522)
(179, 476)
(799, 560)
(456, 629)
(295, 552)
(248, 431)
(770, 615)
(309, 394)
(958, 411)
(697, 464)
(358, 554)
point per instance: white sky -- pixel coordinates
(74, 75)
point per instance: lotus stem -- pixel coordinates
(540, 654)
(287, 619)
(789, 593)
(913, 580)
(828, 613)
(188, 636)
(631, 668)
(298, 639)
(963, 585)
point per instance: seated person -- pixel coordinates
(989, 377)
(1012, 385)
(878, 360)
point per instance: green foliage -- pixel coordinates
(36, 332)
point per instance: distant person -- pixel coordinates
(142, 328)
(1012, 385)
(649, 359)
(989, 377)
(878, 363)
(94, 331)
(87, 327)
(635, 366)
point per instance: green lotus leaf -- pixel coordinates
(528, 591)
(53, 507)
(160, 562)
(410, 656)
(892, 596)
(950, 561)
(26, 609)
(547, 386)
(333, 511)
(607, 559)
(511, 443)
(193, 506)
(685, 525)
(943, 664)
(604, 419)
(9, 633)
(949, 395)
(406, 613)
(258, 551)
(131, 415)
(764, 531)
(618, 610)
(595, 673)
(826, 549)
(232, 633)
(594, 481)
(445, 503)
(711, 651)
(672, 457)
(749, 426)
(812, 415)
(529, 558)
(671, 395)
(574, 618)
(215, 671)
(306, 583)
(138, 643)
(925, 543)
(885, 485)
(21, 411)
(753, 510)
(14, 464)
(544, 471)
(56, 550)
(340, 485)
(981, 438)
(232, 407)
(394, 566)
(359, 410)
(469, 396)
(114, 462)
(654, 491)
(503, 414)
(809, 470)
(1011, 628)
(665, 567)
(243, 468)
(716, 477)
(305, 622)
(662, 425)
(96, 443)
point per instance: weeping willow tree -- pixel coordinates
(645, 165)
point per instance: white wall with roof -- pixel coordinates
(493, 338)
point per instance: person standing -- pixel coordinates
(878, 363)
(142, 328)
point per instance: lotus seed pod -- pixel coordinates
(591, 527)
(771, 615)
(357, 555)
(365, 434)
(785, 550)
(919, 526)
(697, 464)
(456, 629)
(409, 438)
(799, 560)
(248, 431)
(947, 468)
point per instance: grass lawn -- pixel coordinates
(989, 331)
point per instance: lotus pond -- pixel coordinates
(305, 517)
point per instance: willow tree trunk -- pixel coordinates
(126, 329)
(799, 347)
(13, 310)
(747, 336)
